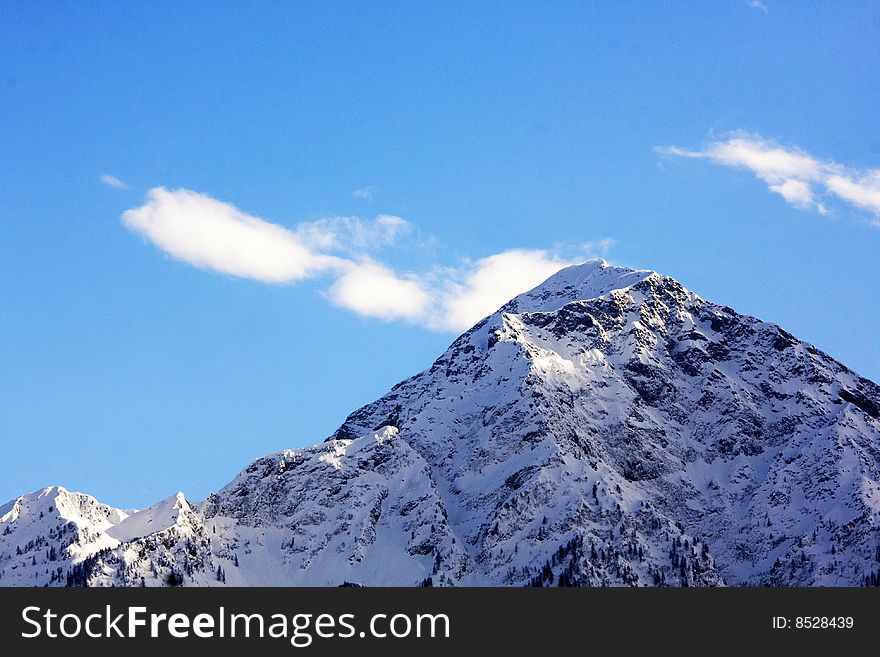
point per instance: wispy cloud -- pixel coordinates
(353, 234)
(804, 181)
(211, 234)
(599, 247)
(365, 193)
(112, 181)
(757, 4)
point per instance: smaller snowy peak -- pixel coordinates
(170, 512)
(80, 504)
(33, 503)
(78, 508)
(44, 533)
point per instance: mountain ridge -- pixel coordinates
(609, 427)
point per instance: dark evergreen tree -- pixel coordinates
(174, 579)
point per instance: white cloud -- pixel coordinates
(796, 192)
(112, 181)
(214, 235)
(792, 173)
(445, 298)
(757, 4)
(353, 234)
(365, 193)
(373, 290)
(469, 294)
(863, 191)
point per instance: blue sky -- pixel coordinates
(224, 228)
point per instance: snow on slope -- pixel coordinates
(43, 533)
(159, 517)
(608, 427)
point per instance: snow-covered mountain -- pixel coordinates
(44, 533)
(608, 427)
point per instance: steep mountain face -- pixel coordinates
(609, 427)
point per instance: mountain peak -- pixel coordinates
(163, 515)
(589, 280)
